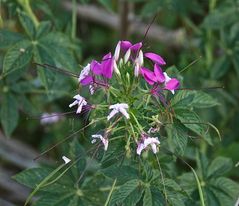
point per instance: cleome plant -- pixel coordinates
(138, 137)
(140, 120)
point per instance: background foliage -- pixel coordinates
(45, 32)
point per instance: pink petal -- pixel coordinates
(87, 80)
(155, 58)
(125, 45)
(136, 47)
(148, 75)
(107, 66)
(159, 73)
(96, 67)
(172, 84)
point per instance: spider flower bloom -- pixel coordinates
(104, 140)
(119, 107)
(80, 101)
(51, 118)
(145, 142)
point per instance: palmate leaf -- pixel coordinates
(9, 113)
(18, 56)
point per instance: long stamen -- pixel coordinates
(48, 66)
(49, 116)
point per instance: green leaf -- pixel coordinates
(236, 62)
(122, 173)
(41, 56)
(59, 47)
(8, 38)
(191, 120)
(125, 190)
(230, 187)
(43, 29)
(32, 177)
(182, 99)
(203, 100)
(219, 166)
(220, 67)
(27, 24)
(157, 197)
(178, 137)
(147, 201)
(17, 56)
(9, 113)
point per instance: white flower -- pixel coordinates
(105, 141)
(117, 51)
(80, 101)
(139, 61)
(84, 72)
(66, 159)
(145, 142)
(47, 118)
(119, 107)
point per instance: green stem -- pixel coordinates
(27, 7)
(74, 19)
(111, 191)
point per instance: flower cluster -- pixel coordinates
(129, 65)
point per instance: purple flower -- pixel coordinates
(119, 107)
(155, 58)
(107, 66)
(145, 142)
(104, 140)
(80, 101)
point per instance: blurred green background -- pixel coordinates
(183, 31)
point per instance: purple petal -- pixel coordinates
(107, 66)
(155, 58)
(159, 73)
(125, 45)
(96, 67)
(136, 47)
(86, 80)
(172, 84)
(148, 75)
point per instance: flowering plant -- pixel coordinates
(137, 113)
